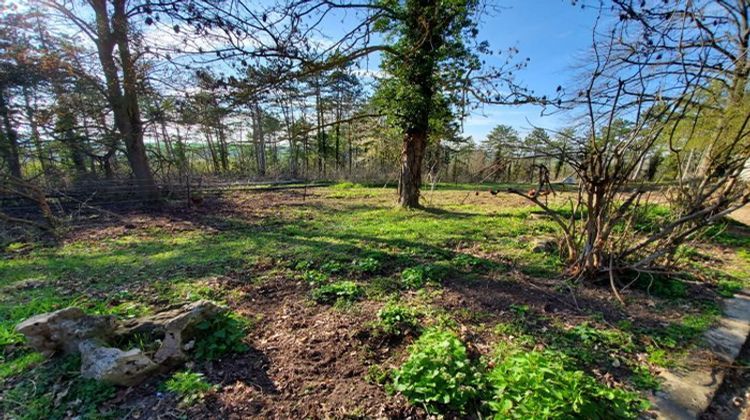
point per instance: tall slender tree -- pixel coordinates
(429, 56)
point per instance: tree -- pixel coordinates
(648, 87)
(430, 58)
(259, 140)
(502, 144)
(345, 90)
(429, 49)
(111, 33)
(18, 71)
(536, 141)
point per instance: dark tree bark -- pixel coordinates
(293, 147)
(410, 181)
(9, 140)
(212, 151)
(223, 147)
(351, 150)
(43, 158)
(123, 97)
(259, 140)
(321, 134)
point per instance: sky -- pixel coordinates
(553, 34)
(556, 36)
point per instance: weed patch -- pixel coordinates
(397, 320)
(418, 276)
(439, 374)
(539, 384)
(190, 387)
(55, 390)
(221, 334)
(338, 291)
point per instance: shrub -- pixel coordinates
(313, 277)
(191, 387)
(538, 384)
(466, 261)
(340, 290)
(416, 277)
(395, 319)
(439, 374)
(331, 267)
(220, 335)
(367, 265)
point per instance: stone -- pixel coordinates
(63, 330)
(181, 327)
(176, 325)
(72, 331)
(685, 394)
(115, 366)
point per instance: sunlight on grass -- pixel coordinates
(350, 246)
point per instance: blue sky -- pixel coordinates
(555, 35)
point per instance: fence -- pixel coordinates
(113, 196)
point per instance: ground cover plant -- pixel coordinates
(189, 386)
(326, 326)
(324, 172)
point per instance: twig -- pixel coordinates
(91, 207)
(612, 283)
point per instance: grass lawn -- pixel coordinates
(337, 288)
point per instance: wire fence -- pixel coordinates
(114, 196)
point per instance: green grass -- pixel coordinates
(19, 364)
(354, 244)
(397, 319)
(38, 394)
(190, 387)
(340, 291)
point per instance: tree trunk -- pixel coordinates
(634, 176)
(289, 121)
(35, 137)
(223, 148)
(688, 165)
(338, 141)
(9, 140)
(351, 150)
(66, 124)
(123, 98)
(212, 151)
(181, 154)
(410, 180)
(258, 139)
(320, 131)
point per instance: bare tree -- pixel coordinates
(636, 100)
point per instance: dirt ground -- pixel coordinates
(313, 361)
